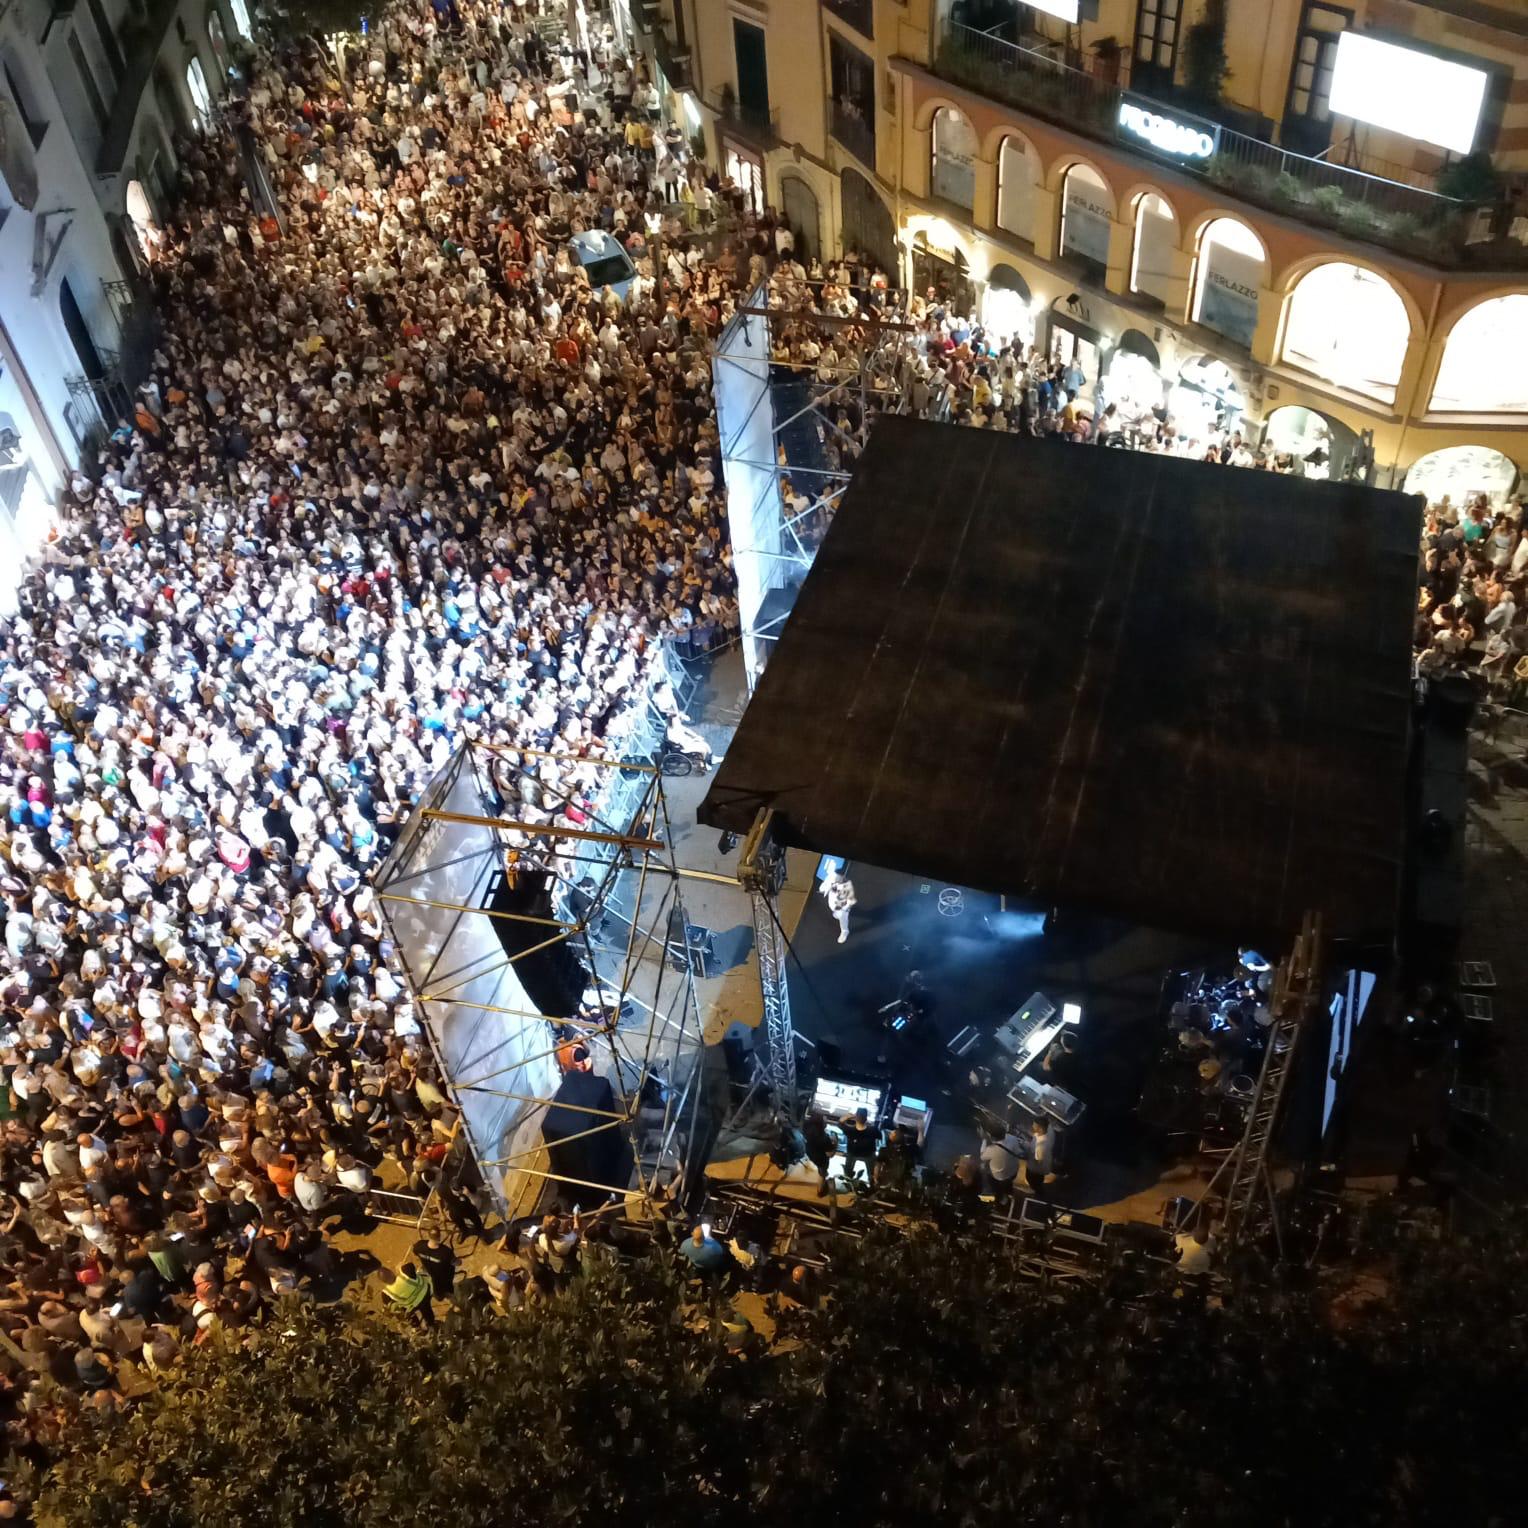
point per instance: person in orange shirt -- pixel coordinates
(279, 1166)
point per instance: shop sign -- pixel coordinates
(1228, 299)
(1086, 227)
(1080, 312)
(1172, 136)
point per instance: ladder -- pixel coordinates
(1297, 986)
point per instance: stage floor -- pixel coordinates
(979, 965)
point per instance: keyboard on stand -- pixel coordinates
(1030, 1030)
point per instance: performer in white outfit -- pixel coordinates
(839, 890)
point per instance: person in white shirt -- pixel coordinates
(310, 1188)
(838, 889)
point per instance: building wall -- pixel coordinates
(1403, 430)
(1260, 48)
(84, 164)
(1260, 39)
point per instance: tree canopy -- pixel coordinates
(936, 1384)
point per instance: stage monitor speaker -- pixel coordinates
(553, 977)
(577, 1148)
(688, 944)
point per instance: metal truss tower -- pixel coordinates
(793, 386)
(761, 871)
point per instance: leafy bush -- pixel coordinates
(1205, 69)
(1329, 199)
(938, 1384)
(1288, 188)
(1473, 179)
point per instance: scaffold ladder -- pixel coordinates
(1297, 985)
(761, 870)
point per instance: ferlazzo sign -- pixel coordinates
(1182, 140)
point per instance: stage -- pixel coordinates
(979, 963)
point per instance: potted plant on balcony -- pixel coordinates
(1473, 180)
(1205, 69)
(1106, 56)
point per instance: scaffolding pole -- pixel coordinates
(661, 1052)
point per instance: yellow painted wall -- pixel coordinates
(1259, 43)
(1433, 299)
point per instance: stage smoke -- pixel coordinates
(1013, 925)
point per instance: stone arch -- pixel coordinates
(1228, 275)
(1483, 367)
(798, 200)
(1087, 216)
(1008, 305)
(923, 119)
(866, 223)
(1020, 174)
(1290, 276)
(1153, 243)
(953, 152)
(1347, 324)
(1449, 317)
(1194, 230)
(1055, 177)
(1461, 470)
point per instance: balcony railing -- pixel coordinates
(857, 134)
(1354, 203)
(673, 61)
(747, 119)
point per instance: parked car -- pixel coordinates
(604, 261)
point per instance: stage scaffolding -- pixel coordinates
(612, 898)
(786, 458)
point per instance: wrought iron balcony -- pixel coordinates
(672, 60)
(749, 120)
(852, 129)
(1350, 201)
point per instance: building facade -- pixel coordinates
(92, 95)
(1309, 215)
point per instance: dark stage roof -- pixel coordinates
(1167, 691)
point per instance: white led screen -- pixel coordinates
(1065, 9)
(1407, 91)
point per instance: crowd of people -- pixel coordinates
(1472, 607)
(938, 361)
(399, 478)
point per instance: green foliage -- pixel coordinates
(1205, 68)
(1328, 198)
(937, 1385)
(1077, 101)
(1473, 179)
(1287, 188)
(325, 1417)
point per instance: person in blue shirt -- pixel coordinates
(705, 1252)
